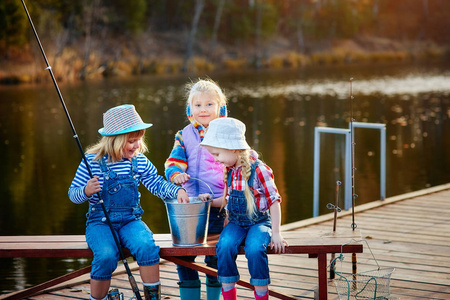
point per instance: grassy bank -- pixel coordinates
(167, 57)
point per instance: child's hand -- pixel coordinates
(181, 178)
(278, 243)
(182, 196)
(92, 186)
(204, 197)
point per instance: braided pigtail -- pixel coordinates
(225, 190)
(246, 172)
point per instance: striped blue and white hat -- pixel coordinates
(122, 119)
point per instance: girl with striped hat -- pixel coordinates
(118, 166)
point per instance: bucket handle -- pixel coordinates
(212, 193)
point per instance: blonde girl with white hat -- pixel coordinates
(253, 206)
(119, 166)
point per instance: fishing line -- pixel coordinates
(75, 136)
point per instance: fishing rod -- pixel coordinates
(75, 135)
(336, 209)
(354, 196)
(336, 205)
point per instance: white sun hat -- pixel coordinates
(226, 133)
(122, 119)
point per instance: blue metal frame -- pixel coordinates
(348, 181)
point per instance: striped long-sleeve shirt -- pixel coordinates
(147, 175)
(177, 161)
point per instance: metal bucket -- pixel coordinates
(188, 222)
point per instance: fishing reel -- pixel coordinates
(335, 206)
(114, 294)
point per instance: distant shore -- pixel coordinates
(165, 55)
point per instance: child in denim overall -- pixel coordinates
(205, 102)
(250, 195)
(118, 166)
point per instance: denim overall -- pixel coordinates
(253, 232)
(121, 199)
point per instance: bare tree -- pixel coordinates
(375, 9)
(258, 29)
(423, 29)
(217, 18)
(90, 17)
(300, 36)
(199, 5)
(318, 6)
(425, 8)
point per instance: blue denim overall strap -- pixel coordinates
(237, 204)
(119, 192)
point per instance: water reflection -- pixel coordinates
(280, 110)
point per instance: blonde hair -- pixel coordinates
(114, 145)
(205, 86)
(246, 170)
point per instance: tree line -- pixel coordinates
(228, 22)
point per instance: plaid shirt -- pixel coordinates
(264, 188)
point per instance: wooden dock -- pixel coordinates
(408, 232)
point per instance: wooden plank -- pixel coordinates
(409, 236)
(398, 220)
(410, 216)
(58, 247)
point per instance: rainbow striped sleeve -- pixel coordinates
(177, 161)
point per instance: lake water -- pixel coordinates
(281, 110)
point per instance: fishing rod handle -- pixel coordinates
(134, 287)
